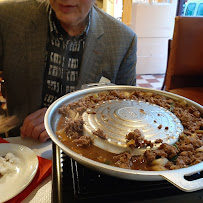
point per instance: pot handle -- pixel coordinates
(176, 177)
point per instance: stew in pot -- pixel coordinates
(187, 151)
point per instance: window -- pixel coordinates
(200, 10)
(190, 9)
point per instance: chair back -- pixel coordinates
(185, 62)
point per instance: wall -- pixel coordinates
(153, 24)
(112, 7)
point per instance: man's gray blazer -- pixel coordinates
(110, 51)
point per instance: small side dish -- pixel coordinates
(18, 167)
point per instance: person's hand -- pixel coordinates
(33, 126)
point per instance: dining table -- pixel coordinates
(42, 193)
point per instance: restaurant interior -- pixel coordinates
(169, 62)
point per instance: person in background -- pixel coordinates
(49, 48)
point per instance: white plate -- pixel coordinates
(15, 182)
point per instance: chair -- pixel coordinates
(184, 74)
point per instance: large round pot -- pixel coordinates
(176, 177)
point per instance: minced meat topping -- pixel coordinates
(185, 152)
